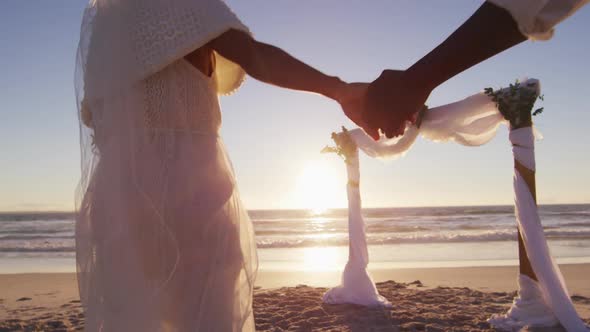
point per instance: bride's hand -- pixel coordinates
(352, 99)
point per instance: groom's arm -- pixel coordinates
(272, 65)
(489, 31)
(496, 26)
(395, 97)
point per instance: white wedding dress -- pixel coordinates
(163, 241)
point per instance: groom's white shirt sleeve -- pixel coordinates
(537, 18)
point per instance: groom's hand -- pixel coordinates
(393, 99)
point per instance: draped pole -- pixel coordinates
(543, 299)
(516, 104)
(357, 286)
(529, 307)
(523, 119)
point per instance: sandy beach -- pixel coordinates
(434, 299)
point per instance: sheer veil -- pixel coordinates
(162, 240)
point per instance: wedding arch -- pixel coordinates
(472, 121)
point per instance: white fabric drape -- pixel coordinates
(472, 122)
(357, 286)
(550, 280)
(529, 308)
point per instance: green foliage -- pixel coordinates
(516, 101)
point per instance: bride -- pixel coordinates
(163, 242)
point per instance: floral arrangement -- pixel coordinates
(516, 102)
(345, 146)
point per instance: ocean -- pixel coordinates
(302, 240)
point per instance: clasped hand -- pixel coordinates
(387, 104)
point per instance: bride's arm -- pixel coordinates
(274, 66)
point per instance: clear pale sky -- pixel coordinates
(273, 135)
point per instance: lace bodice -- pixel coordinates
(180, 97)
(126, 41)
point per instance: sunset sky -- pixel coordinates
(274, 136)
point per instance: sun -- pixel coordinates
(319, 187)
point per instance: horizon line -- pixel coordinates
(327, 209)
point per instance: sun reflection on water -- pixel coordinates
(322, 258)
